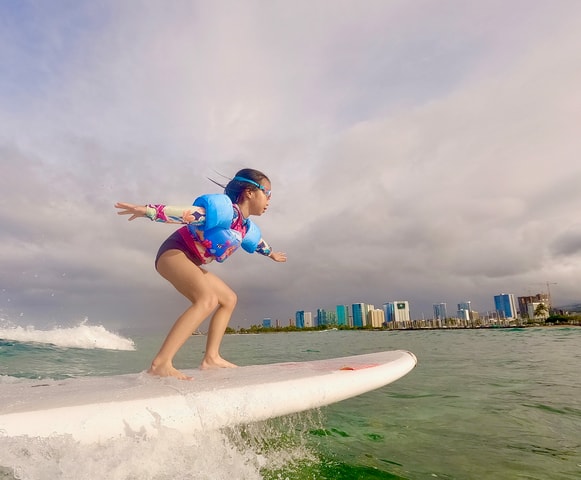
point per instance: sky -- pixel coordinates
(426, 151)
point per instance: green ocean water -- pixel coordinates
(494, 403)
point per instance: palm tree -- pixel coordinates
(541, 311)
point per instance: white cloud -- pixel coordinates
(416, 151)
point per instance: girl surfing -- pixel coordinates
(215, 226)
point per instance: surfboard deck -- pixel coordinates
(93, 409)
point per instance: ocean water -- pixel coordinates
(481, 404)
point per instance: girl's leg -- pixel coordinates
(226, 304)
(191, 281)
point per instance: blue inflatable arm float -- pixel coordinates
(219, 210)
(219, 214)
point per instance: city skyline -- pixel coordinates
(357, 315)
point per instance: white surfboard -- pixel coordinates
(95, 409)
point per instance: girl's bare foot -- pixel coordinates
(218, 362)
(167, 371)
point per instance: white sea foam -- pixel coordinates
(82, 335)
(239, 453)
(207, 456)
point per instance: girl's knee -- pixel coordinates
(208, 302)
(229, 300)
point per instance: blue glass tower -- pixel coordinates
(321, 317)
(440, 311)
(389, 310)
(342, 315)
(505, 305)
(300, 319)
(358, 310)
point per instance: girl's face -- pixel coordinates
(260, 198)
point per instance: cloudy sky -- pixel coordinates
(426, 151)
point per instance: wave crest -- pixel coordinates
(80, 336)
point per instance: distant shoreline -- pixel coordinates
(332, 328)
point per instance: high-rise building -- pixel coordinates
(358, 312)
(376, 318)
(342, 315)
(402, 311)
(321, 317)
(440, 311)
(389, 311)
(465, 310)
(332, 318)
(267, 323)
(300, 319)
(308, 320)
(398, 311)
(505, 305)
(466, 305)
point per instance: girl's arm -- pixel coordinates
(164, 213)
(264, 249)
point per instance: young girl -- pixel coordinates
(215, 226)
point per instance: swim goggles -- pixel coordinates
(256, 184)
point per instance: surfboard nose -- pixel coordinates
(413, 356)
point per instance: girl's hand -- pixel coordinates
(136, 211)
(278, 256)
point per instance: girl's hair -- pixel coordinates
(237, 185)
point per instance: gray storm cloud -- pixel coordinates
(416, 152)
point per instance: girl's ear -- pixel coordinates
(245, 194)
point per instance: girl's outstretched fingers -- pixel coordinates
(278, 256)
(136, 211)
